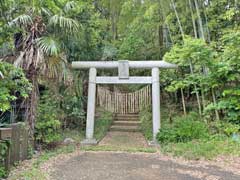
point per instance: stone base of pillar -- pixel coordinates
(153, 143)
(87, 142)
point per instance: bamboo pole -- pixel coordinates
(132, 97)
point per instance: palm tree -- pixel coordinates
(40, 48)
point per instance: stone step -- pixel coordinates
(126, 123)
(125, 128)
(125, 119)
(127, 115)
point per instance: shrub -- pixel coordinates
(13, 85)
(47, 125)
(183, 129)
(225, 128)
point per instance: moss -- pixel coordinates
(115, 148)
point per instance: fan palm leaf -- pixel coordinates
(67, 24)
(21, 20)
(56, 67)
(69, 6)
(49, 46)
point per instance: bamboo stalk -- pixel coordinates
(183, 102)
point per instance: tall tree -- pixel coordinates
(39, 47)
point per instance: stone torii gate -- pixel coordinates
(122, 78)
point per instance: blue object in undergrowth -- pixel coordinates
(236, 137)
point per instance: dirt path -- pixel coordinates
(134, 166)
(124, 139)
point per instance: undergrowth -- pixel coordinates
(192, 138)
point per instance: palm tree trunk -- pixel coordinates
(31, 105)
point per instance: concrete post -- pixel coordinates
(91, 105)
(155, 102)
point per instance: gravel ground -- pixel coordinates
(135, 166)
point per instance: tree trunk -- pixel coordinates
(31, 105)
(160, 40)
(203, 98)
(197, 94)
(183, 102)
(167, 26)
(215, 103)
(178, 20)
(193, 19)
(199, 20)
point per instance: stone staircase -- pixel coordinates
(126, 123)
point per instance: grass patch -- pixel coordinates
(102, 124)
(52, 153)
(76, 135)
(116, 148)
(30, 174)
(207, 149)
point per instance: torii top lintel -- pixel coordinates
(115, 64)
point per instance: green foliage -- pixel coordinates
(102, 124)
(191, 50)
(145, 116)
(74, 114)
(230, 101)
(131, 46)
(13, 85)
(226, 75)
(225, 128)
(192, 53)
(47, 125)
(4, 145)
(183, 129)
